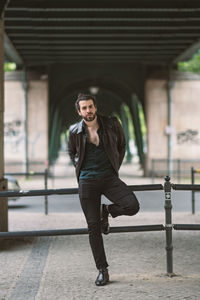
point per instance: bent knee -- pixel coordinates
(133, 208)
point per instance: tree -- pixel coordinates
(192, 65)
(9, 67)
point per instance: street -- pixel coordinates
(131, 174)
(150, 201)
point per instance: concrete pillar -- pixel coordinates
(3, 184)
(26, 122)
(37, 123)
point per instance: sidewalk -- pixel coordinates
(51, 268)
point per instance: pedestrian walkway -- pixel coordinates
(62, 268)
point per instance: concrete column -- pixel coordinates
(169, 127)
(3, 184)
(37, 123)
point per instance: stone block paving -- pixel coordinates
(63, 268)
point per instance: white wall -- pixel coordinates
(185, 119)
(14, 123)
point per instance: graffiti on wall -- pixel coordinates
(12, 128)
(188, 136)
(14, 137)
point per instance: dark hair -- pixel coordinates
(82, 97)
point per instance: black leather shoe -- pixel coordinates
(105, 227)
(103, 277)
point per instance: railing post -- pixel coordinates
(46, 196)
(168, 226)
(152, 170)
(193, 199)
(179, 170)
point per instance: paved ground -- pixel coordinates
(51, 268)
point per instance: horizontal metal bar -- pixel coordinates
(96, 57)
(72, 191)
(33, 60)
(36, 233)
(96, 50)
(31, 193)
(186, 226)
(137, 228)
(77, 231)
(106, 35)
(32, 18)
(111, 41)
(165, 160)
(68, 60)
(63, 14)
(23, 163)
(113, 10)
(146, 187)
(88, 54)
(186, 187)
(25, 174)
(92, 28)
(91, 47)
(43, 62)
(106, 6)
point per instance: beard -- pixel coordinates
(90, 117)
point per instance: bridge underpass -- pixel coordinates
(113, 45)
(114, 90)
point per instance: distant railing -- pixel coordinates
(28, 174)
(19, 166)
(193, 172)
(181, 168)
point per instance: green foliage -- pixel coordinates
(142, 121)
(130, 123)
(192, 65)
(9, 67)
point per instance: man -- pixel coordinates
(97, 147)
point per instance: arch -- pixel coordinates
(116, 91)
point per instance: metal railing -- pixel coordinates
(181, 168)
(27, 175)
(193, 172)
(168, 227)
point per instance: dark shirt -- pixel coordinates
(96, 163)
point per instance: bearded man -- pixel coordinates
(97, 147)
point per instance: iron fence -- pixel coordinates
(27, 175)
(181, 168)
(168, 227)
(193, 172)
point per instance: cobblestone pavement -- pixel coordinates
(63, 268)
(51, 268)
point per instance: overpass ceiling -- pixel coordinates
(153, 32)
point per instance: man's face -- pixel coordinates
(87, 110)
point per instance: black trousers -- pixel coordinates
(124, 203)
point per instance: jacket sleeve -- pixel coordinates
(72, 147)
(121, 140)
